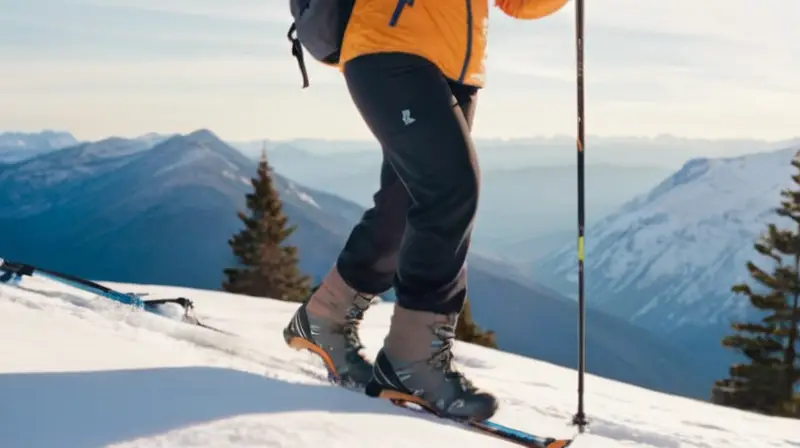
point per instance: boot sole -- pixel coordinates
(376, 390)
(400, 398)
(299, 344)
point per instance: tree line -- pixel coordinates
(268, 265)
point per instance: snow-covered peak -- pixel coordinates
(725, 180)
(36, 140)
(668, 258)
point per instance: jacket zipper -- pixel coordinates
(468, 53)
(398, 10)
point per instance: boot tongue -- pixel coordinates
(415, 336)
(334, 300)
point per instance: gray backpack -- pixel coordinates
(318, 26)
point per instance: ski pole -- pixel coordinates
(579, 418)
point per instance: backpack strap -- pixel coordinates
(297, 52)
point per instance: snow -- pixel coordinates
(677, 250)
(81, 371)
(303, 196)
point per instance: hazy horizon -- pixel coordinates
(129, 67)
(371, 140)
(666, 151)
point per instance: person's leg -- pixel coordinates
(327, 324)
(417, 116)
(368, 260)
(410, 108)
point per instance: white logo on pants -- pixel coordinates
(407, 118)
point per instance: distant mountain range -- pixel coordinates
(667, 259)
(517, 205)
(18, 146)
(528, 198)
(664, 151)
(528, 191)
(159, 210)
(507, 226)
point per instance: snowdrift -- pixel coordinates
(77, 370)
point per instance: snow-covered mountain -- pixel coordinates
(25, 183)
(81, 371)
(667, 259)
(120, 196)
(18, 146)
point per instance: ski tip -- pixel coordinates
(559, 443)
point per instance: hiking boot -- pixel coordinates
(327, 325)
(416, 366)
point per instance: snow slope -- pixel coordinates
(667, 259)
(81, 371)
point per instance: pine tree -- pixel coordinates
(267, 266)
(468, 331)
(767, 381)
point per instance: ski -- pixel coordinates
(492, 429)
(484, 427)
(11, 273)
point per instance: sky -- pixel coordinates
(710, 69)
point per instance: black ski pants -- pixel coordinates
(416, 236)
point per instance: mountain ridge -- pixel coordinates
(666, 260)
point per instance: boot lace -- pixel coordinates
(442, 358)
(353, 320)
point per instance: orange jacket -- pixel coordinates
(449, 33)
